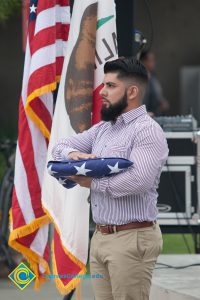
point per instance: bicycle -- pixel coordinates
(7, 148)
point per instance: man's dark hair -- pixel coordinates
(127, 68)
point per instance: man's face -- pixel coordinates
(114, 97)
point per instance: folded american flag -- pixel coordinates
(97, 167)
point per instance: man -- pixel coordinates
(154, 99)
(127, 240)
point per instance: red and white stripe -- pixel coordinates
(45, 49)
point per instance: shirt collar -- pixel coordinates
(133, 114)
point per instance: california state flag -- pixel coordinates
(92, 42)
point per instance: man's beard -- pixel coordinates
(114, 110)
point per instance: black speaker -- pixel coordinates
(177, 192)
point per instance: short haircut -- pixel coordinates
(128, 68)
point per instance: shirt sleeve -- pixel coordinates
(148, 154)
(80, 142)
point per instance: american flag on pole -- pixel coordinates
(48, 29)
(92, 42)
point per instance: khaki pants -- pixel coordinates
(126, 260)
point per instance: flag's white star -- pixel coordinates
(81, 170)
(62, 181)
(33, 8)
(50, 171)
(114, 169)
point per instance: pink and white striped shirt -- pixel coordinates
(131, 195)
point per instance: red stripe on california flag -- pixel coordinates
(18, 220)
(97, 104)
(25, 143)
(42, 112)
(63, 261)
(48, 36)
(43, 5)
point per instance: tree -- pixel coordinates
(8, 8)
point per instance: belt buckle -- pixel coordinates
(104, 233)
(114, 228)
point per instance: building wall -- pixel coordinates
(176, 40)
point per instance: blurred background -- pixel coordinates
(168, 28)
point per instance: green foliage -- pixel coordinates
(8, 8)
(175, 244)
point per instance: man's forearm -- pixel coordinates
(126, 183)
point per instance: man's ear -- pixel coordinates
(132, 92)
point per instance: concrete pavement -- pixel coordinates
(167, 284)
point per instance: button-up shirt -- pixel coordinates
(131, 195)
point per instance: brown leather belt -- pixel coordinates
(107, 229)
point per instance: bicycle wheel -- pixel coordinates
(5, 211)
(6, 200)
(7, 178)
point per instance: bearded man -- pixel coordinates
(127, 239)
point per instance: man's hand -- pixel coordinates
(83, 181)
(75, 155)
